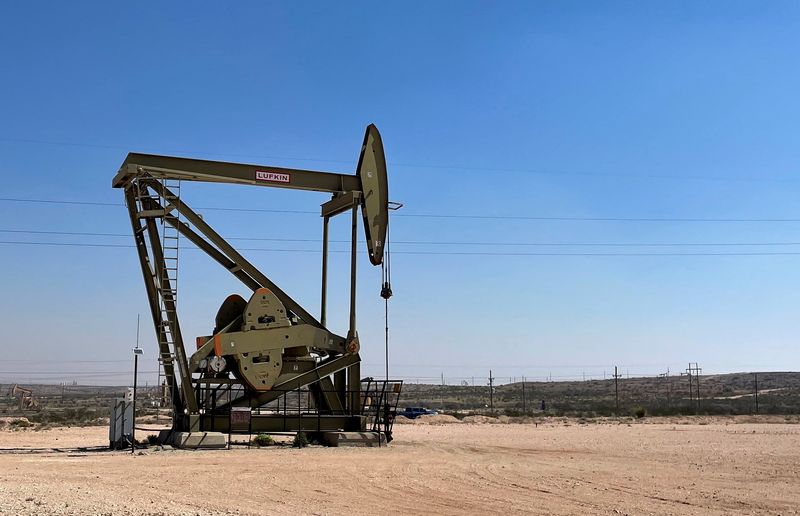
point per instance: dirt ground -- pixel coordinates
(708, 466)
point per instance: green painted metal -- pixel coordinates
(375, 193)
(264, 343)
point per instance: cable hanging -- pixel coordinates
(386, 293)
(386, 281)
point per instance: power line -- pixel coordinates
(45, 376)
(75, 373)
(419, 253)
(206, 153)
(410, 364)
(470, 253)
(117, 204)
(589, 219)
(445, 167)
(447, 216)
(69, 233)
(516, 365)
(432, 242)
(39, 361)
(65, 244)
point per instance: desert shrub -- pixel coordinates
(152, 439)
(300, 440)
(263, 440)
(639, 412)
(80, 416)
(21, 423)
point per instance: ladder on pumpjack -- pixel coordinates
(168, 291)
(166, 276)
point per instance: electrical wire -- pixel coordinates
(591, 219)
(116, 204)
(443, 167)
(419, 253)
(451, 216)
(431, 242)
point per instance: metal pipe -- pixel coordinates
(324, 301)
(354, 371)
(353, 260)
(354, 387)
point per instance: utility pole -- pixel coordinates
(524, 410)
(136, 352)
(659, 379)
(442, 397)
(697, 371)
(664, 378)
(669, 390)
(491, 391)
(755, 377)
(694, 370)
(616, 388)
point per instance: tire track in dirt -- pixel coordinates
(449, 469)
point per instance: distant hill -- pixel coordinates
(779, 393)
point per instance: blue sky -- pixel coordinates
(670, 110)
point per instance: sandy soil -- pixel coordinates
(721, 466)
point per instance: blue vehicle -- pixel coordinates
(415, 412)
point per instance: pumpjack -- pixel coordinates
(25, 396)
(267, 345)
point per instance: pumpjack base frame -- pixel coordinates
(278, 423)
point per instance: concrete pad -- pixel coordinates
(365, 439)
(199, 440)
